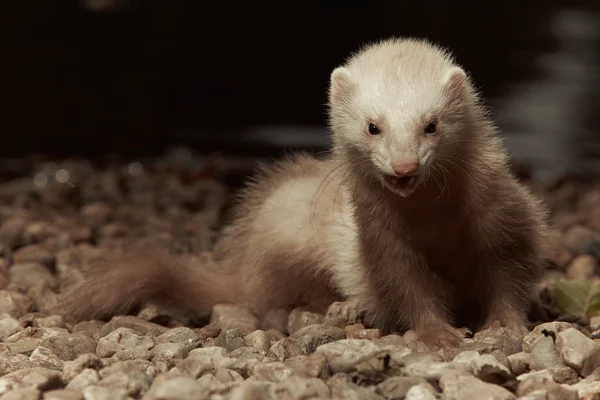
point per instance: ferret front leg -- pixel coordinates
(425, 300)
(509, 295)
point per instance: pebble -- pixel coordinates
(299, 318)
(470, 388)
(27, 274)
(8, 326)
(34, 254)
(578, 351)
(228, 316)
(69, 346)
(544, 354)
(259, 340)
(312, 336)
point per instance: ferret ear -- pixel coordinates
(454, 80)
(341, 85)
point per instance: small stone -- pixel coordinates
(182, 335)
(358, 331)
(519, 362)
(272, 372)
(122, 339)
(466, 387)
(299, 318)
(8, 326)
(25, 275)
(37, 333)
(21, 394)
(342, 313)
(259, 340)
(489, 369)
(308, 366)
(96, 213)
(87, 377)
(422, 391)
(169, 351)
(134, 382)
(246, 390)
(39, 378)
(312, 336)
(587, 390)
(534, 382)
(275, 335)
(202, 360)
(342, 387)
(43, 295)
(285, 348)
(275, 319)
(137, 324)
(507, 340)
(51, 321)
(300, 388)
(68, 347)
(104, 393)
(208, 331)
(81, 234)
(413, 342)
(247, 357)
(82, 362)
(230, 339)
(484, 366)
(347, 352)
(397, 387)
(583, 266)
(228, 316)
(226, 375)
(125, 367)
(14, 304)
(564, 374)
(25, 346)
(390, 342)
(46, 358)
(91, 329)
(62, 394)
(543, 330)
(544, 354)
(34, 254)
(578, 351)
(11, 230)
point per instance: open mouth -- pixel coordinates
(401, 183)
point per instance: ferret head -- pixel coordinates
(399, 106)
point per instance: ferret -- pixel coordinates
(414, 213)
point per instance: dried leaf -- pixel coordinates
(578, 297)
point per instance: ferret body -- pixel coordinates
(415, 213)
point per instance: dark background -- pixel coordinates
(140, 75)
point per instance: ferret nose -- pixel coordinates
(405, 169)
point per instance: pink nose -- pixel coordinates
(405, 169)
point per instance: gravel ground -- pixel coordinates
(56, 217)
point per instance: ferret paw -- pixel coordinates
(514, 323)
(443, 337)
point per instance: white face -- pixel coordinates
(404, 130)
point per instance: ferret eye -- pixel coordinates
(431, 128)
(374, 130)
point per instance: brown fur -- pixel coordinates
(465, 247)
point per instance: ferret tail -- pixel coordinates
(118, 284)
